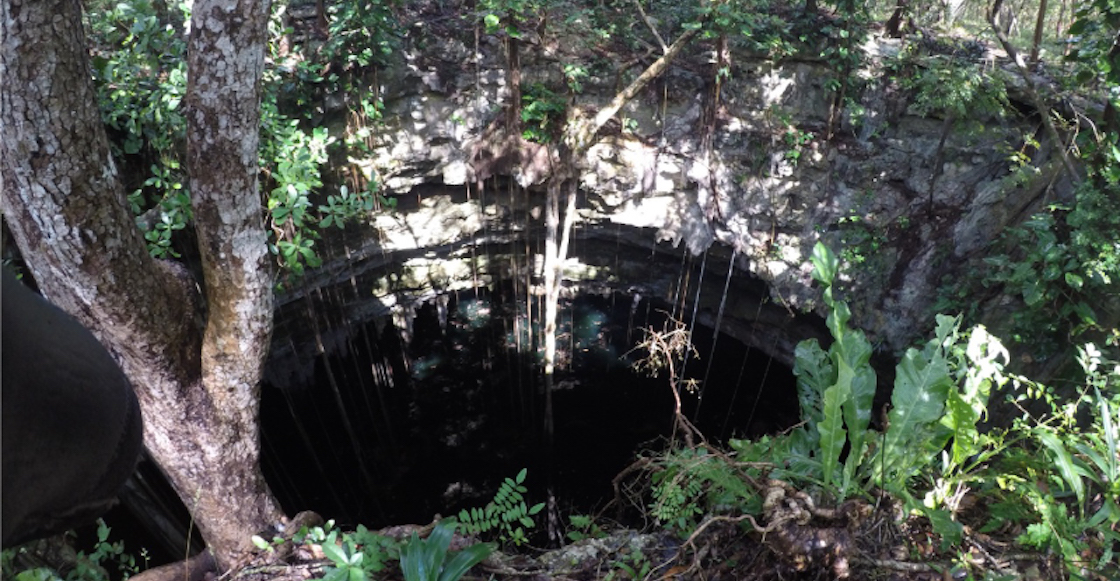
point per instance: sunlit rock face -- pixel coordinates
(910, 199)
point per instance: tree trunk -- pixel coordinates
(198, 388)
(1038, 28)
(579, 136)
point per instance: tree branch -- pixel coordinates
(1032, 91)
(578, 138)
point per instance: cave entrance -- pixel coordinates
(397, 425)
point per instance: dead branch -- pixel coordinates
(579, 133)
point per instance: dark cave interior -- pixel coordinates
(383, 432)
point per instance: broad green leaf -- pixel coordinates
(831, 428)
(815, 372)
(1064, 462)
(856, 352)
(837, 320)
(413, 565)
(1110, 433)
(922, 383)
(825, 264)
(462, 561)
(334, 552)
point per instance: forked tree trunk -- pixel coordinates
(198, 386)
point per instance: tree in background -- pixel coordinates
(196, 365)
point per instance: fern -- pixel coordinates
(507, 514)
(692, 482)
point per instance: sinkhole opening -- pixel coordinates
(397, 424)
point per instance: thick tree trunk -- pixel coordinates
(64, 203)
(224, 65)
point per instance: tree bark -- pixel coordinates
(225, 60)
(1038, 28)
(62, 198)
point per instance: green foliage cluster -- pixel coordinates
(507, 514)
(687, 483)
(1064, 264)
(362, 555)
(1064, 485)
(359, 35)
(508, 16)
(951, 85)
(631, 564)
(295, 147)
(584, 527)
(939, 396)
(140, 72)
(87, 567)
(751, 23)
(542, 113)
(1056, 474)
(1093, 49)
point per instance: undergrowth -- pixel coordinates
(1053, 476)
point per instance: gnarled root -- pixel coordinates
(805, 534)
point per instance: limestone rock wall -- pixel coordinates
(910, 198)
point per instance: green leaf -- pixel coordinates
(965, 407)
(1064, 462)
(414, 564)
(950, 531)
(855, 350)
(462, 561)
(815, 373)
(832, 433)
(825, 264)
(922, 383)
(334, 552)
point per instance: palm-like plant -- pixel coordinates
(428, 559)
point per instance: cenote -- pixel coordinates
(395, 423)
